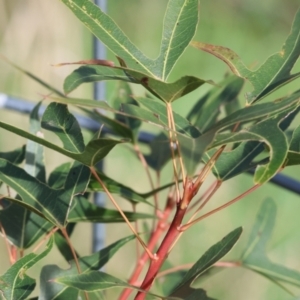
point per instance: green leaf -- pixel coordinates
(260, 111)
(137, 112)
(240, 158)
(60, 121)
(160, 152)
(23, 223)
(292, 159)
(194, 294)
(58, 176)
(268, 132)
(180, 24)
(115, 187)
(54, 204)
(157, 116)
(51, 290)
(15, 157)
(91, 281)
(295, 141)
(275, 71)
(211, 256)
(123, 95)
(255, 257)
(236, 161)
(205, 112)
(106, 30)
(84, 211)
(167, 92)
(95, 150)
(166, 283)
(116, 127)
(182, 125)
(15, 283)
(93, 73)
(192, 149)
(94, 281)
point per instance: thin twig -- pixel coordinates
(45, 238)
(65, 234)
(209, 196)
(208, 190)
(93, 171)
(209, 165)
(173, 127)
(188, 225)
(161, 226)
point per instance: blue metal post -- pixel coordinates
(99, 94)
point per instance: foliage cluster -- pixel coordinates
(216, 136)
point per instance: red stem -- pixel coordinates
(162, 252)
(156, 234)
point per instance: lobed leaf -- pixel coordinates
(94, 73)
(167, 92)
(273, 73)
(268, 132)
(241, 157)
(23, 223)
(60, 121)
(54, 204)
(95, 150)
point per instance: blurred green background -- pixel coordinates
(36, 34)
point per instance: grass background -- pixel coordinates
(35, 34)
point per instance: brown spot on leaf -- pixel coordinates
(144, 81)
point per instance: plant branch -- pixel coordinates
(65, 234)
(208, 191)
(162, 252)
(188, 225)
(155, 236)
(93, 171)
(52, 231)
(209, 165)
(175, 171)
(218, 183)
(173, 127)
